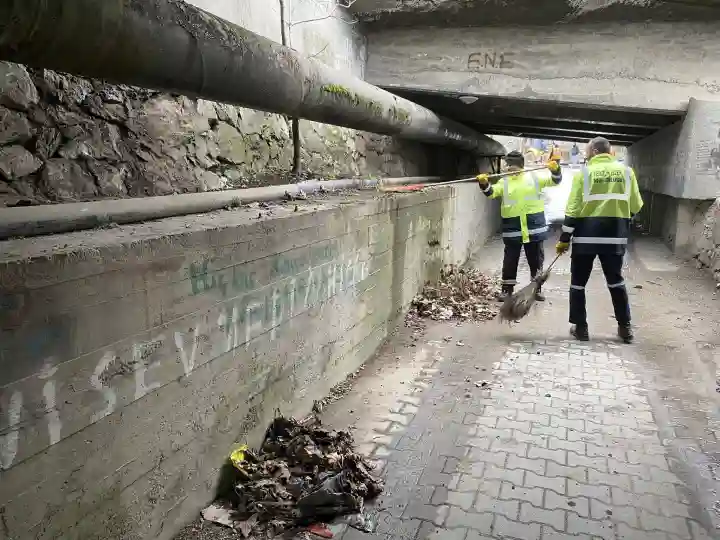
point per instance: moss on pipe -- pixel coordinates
(172, 46)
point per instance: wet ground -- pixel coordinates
(490, 431)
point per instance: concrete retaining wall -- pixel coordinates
(677, 222)
(682, 160)
(132, 359)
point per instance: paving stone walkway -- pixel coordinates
(484, 431)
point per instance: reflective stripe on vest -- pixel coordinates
(507, 201)
(515, 234)
(599, 240)
(588, 196)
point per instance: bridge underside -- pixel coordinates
(385, 14)
(494, 115)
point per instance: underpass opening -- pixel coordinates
(540, 119)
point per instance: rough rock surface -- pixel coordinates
(65, 138)
(707, 242)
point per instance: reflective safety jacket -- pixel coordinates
(523, 209)
(603, 199)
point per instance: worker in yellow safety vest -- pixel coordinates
(523, 217)
(555, 153)
(603, 199)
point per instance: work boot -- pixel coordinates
(580, 332)
(505, 293)
(625, 333)
(539, 296)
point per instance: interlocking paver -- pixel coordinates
(533, 514)
(579, 505)
(579, 474)
(487, 503)
(514, 476)
(581, 525)
(571, 441)
(430, 531)
(560, 444)
(559, 456)
(578, 489)
(626, 514)
(596, 477)
(548, 533)
(427, 512)
(652, 521)
(509, 446)
(515, 529)
(594, 462)
(532, 495)
(555, 483)
(471, 520)
(536, 465)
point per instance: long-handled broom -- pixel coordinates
(420, 187)
(518, 305)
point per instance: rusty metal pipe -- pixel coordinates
(68, 217)
(172, 46)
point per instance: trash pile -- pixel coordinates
(460, 293)
(303, 475)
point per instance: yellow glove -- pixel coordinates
(562, 247)
(553, 165)
(483, 179)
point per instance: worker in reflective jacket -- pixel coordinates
(603, 199)
(523, 217)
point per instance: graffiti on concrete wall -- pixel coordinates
(62, 397)
(227, 326)
(489, 59)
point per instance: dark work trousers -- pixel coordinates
(535, 258)
(580, 269)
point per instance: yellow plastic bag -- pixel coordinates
(237, 456)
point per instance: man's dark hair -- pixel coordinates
(600, 145)
(515, 159)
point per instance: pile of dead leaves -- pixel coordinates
(460, 293)
(303, 474)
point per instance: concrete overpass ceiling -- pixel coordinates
(380, 14)
(551, 120)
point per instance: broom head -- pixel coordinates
(518, 305)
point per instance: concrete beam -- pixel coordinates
(682, 160)
(384, 14)
(589, 64)
(561, 126)
(549, 135)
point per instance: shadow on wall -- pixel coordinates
(680, 223)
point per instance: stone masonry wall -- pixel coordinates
(64, 138)
(705, 240)
(133, 359)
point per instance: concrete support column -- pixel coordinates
(678, 169)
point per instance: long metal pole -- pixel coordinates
(173, 46)
(68, 217)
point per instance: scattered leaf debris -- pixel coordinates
(460, 293)
(303, 475)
